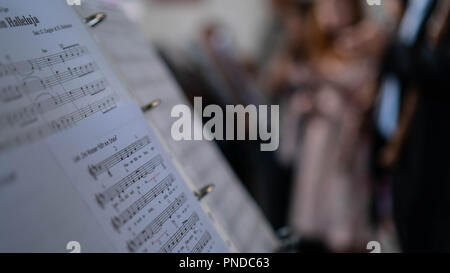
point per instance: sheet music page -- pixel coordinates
(131, 185)
(70, 169)
(148, 79)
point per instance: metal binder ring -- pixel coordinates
(95, 19)
(204, 191)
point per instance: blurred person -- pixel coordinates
(291, 57)
(330, 191)
(385, 110)
(288, 79)
(419, 147)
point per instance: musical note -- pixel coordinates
(104, 105)
(179, 235)
(27, 66)
(202, 243)
(104, 166)
(120, 187)
(155, 226)
(141, 203)
(10, 93)
(28, 114)
(13, 92)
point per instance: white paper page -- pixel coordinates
(52, 75)
(42, 211)
(131, 185)
(51, 79)
(148, 79)
(55, 85)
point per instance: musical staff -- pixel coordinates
(155, 226)
(28, 114)
(89, 140)
(179, 235)
(13, 92)
(28, 66)
(108, 163)
(141, 203)
(103, 105)
(120, 187)
(10, 93)
(201, 244)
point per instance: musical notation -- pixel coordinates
(42, 96)
(142, 202)
(202, 161)
(155, 226)
(179, 235)
(12, 92)
(28, 66)
(29, 114)
(202, 242)
(108, 163)
(103, 105)
(120, 187)
(40, 89)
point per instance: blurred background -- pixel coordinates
(364, 136)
